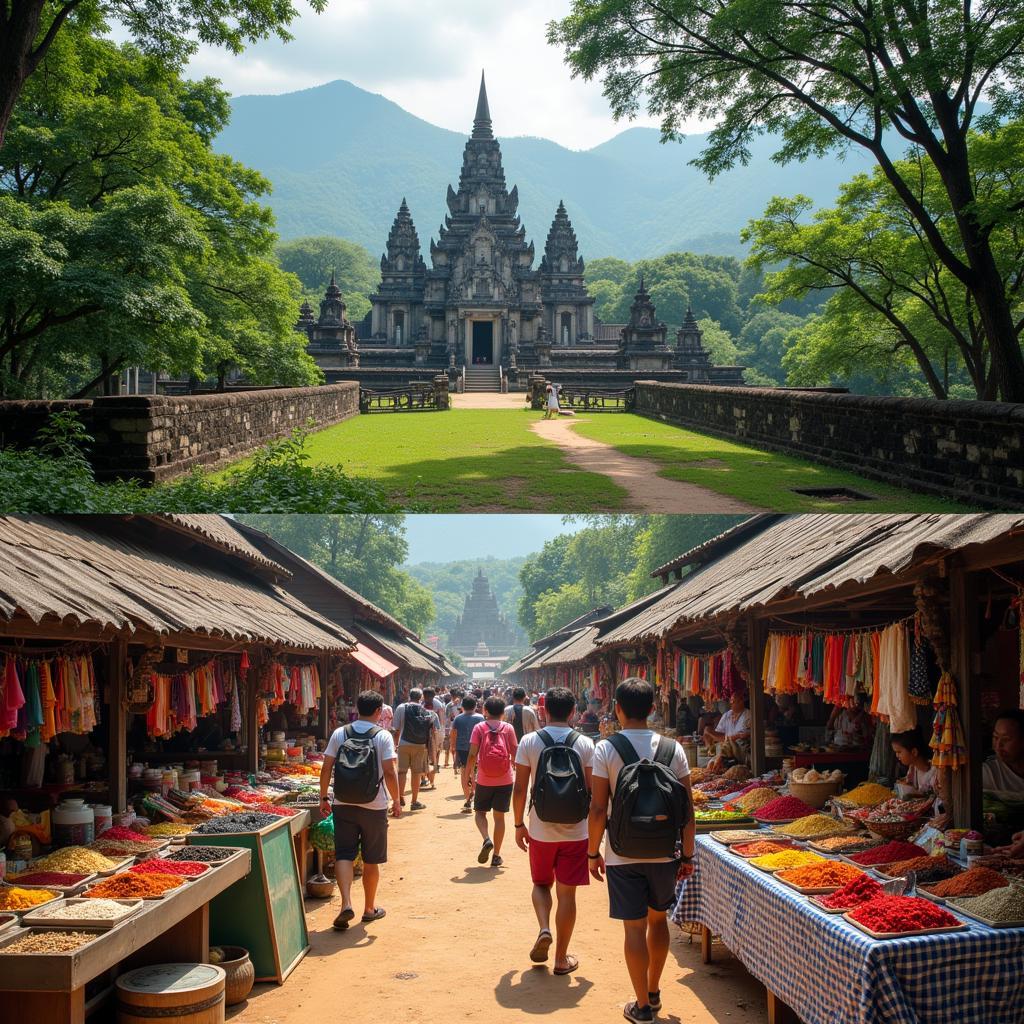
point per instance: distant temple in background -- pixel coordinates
(482, 306)
(482, 630)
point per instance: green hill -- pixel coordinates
(341, 159)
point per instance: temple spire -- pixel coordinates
(482, 120)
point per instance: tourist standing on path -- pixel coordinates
(551, 405)
(452, 709)
(461, 738)
(411, 730)
(361, 758)
(432, 703)
(641, 776)
(492, 748)
(558, 760)
(520, 715)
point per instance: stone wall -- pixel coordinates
(969, 451)
(156, 437)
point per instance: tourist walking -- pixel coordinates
(557, 759)
(460, 739)
(638, 778)
(360, 759)
(452, 709)
(432, 703)
(520, 715)
(551, 405)
(492, 749)
(411, 729)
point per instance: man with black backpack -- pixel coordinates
(558, 759)
(360, 757)
(520, 715)
(642, 799)
(412, 729)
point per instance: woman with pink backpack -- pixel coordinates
(492, 753)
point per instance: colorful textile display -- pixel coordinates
(947, 742)
(41, 697)
(710, 676)
(181, 699)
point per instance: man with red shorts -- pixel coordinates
(557, 848)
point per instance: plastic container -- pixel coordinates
(103, 815)
(189, 781)
(74, 824)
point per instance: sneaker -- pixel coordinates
(417, 806)
(496, 861)
(485, 852)
(654, 998)
(467, 807)
(638, 1014)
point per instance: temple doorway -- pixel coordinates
(483, 342)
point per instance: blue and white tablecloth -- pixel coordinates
(831, 973)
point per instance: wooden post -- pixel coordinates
(963, 634)
(755, 695)
(117, 754)
(252, 729)
(705, 944)
(323, 728)
(778, 1011)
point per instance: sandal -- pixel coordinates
(485, 852)
(342, 920)
(573, 964)
(375, 916)
(539, 953)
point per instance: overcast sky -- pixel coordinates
(443, 538)
(426, 55)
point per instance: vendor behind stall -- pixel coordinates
(922, 776)
(732, 735)
(1002, 782)
(851, 727)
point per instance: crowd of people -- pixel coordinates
(581, 810)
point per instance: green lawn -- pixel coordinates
(465, 460)
(765, 479)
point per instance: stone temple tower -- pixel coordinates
(482, 622)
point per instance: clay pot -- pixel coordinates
(319, 887)
(240, 974)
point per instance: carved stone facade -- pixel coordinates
(482, 630)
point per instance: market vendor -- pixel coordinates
(851, 727)
(732, 735)
(922, 776)
(590, 720)
(1004, 771)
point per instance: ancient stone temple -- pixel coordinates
(482, 305)
(482, 630)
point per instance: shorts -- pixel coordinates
(360, 829)
(564, 862)
(493, 798)
(412, 757)
(461, 758)
(633, 889)
(447, 745)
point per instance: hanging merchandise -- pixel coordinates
(43, 696)
(711, 676)
(947, 742)
(182, 698)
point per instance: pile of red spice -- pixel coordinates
(897, 850)
(853, 894)
(762, 847)
(281, 812)
(972, 882)
(902, 914)
(159, 866)
(927, 869)
(245, 796)
(61, 879)
(784, 808)
(119, 832)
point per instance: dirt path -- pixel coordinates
(455, 944)
(648, 492)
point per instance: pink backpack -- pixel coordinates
(495, 755)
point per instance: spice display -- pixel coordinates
(702, 817)
(75, 859)
(14, 898)
(927, 869)
(737, 773)
(862, 889)
(1003, 904)
(160, 866)
(168, 828)
(61, 879)
(94, 910)
(132, 886)
(201, 854)
(867, 794)
(902, 914)
(813, 825)
(117, 833)
(250, 821)
(755, 799)
(49, 942)
(119, 851)
(278, 810)
(972, 882)
(848, 844)
(888, 853)
(1004, 865)
(819, 876)
(762, 848)
(784, 808)
(787, 859)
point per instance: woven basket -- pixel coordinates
(893, 829)
(815, 794)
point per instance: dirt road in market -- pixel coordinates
(454, 947)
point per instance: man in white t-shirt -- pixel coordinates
(640, 891)
(558, 852)
(732, 734)
(362, 826)
(520, 715)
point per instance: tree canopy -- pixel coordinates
(313, 259)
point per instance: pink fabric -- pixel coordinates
(480, 739)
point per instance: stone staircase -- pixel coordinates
(483, 378)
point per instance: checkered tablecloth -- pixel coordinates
(831, 973)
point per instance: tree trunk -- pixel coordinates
(994, 311)
(17, 37)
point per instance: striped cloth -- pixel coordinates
(831, 973)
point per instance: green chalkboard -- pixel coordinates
(262, 912)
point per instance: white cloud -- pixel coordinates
(426, 55)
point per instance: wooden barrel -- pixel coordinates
(171, 994)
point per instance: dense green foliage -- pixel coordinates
(608, 563)
(835, 77)
(125, 240)
(450, 582)
(314, 259)
(365, 552)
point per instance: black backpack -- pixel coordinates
(517, 721)
(649, 805)
(416, 725)
(560, 795)
(357, 775)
